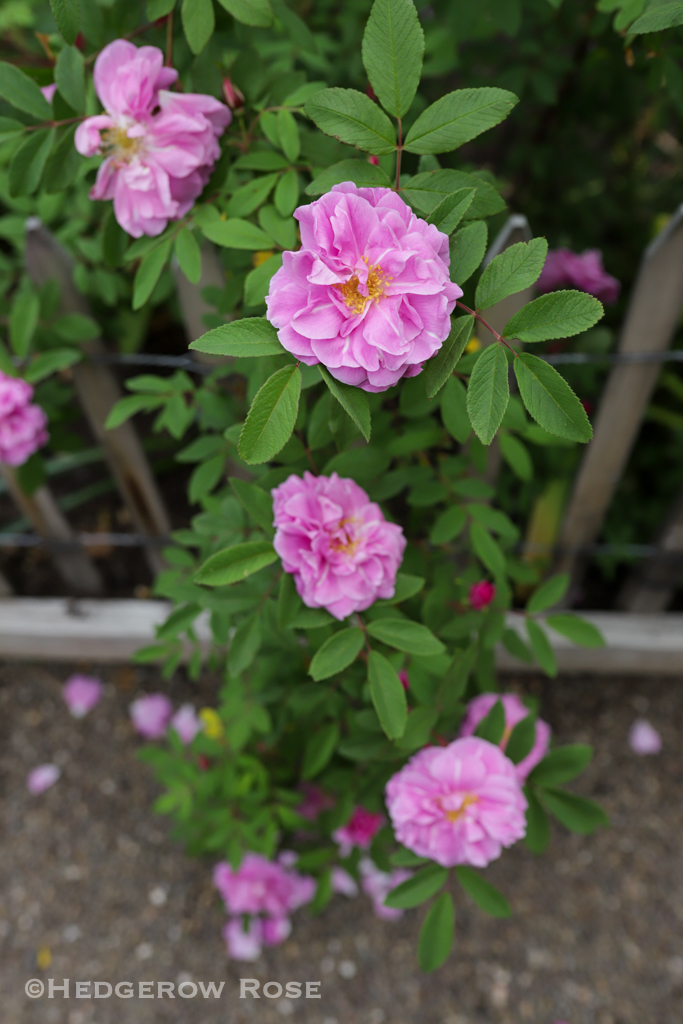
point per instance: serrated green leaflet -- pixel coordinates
(198, 23)
(70, 77)
(393, 45)
(658, 18)
(272, 416)
(516, 268)
(485, 895)
(149, 272)
(537, 825)
(436, 934)
(337, 653)
(450, 211)
(487, 550)
(319, 750)
(454, 410)
(352, 117)
(354, 401)
(236, 234)
(574, 812)
(516, 455)
(250, 12)
(488, 392)
(67, 15)
(540, 645)
(548, 594)
(576, 629)
(188, 254)
(406, 635)
(492, 727)
(550, 400)
(236, 563)
(426, 190)
(388, 695)
(468, 247)
(521, 739)
(256, 501)
(441, 366)
(458, 117)
(253, 336)
(406, 586)
(416, 890)
(562, 765)
(360, 172)
(556, 315)
(21, 92)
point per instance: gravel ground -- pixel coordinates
(91, 887)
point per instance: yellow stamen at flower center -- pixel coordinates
(345, 543)
(376, 284)
(117, 143)
(470, 798)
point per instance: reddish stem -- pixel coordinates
(488, 327)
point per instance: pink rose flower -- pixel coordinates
(241, 944)
(566, 269)
(160, 147)
(42, 777)
(643, 738)
(459, 804)
(481, 594)
(262, 886)
(81, 694)
(378, 884)
(515, 711)
(360, 830)
(48, 91)
(343, 553)
(368, 295)
(186, 723)
(22, 424)
(151, 715)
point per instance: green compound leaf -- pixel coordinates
(393, 46)
(236, 563)
(360, 172)
(353, 401)
(458, 117)
(352, 117)
(488, 392)
(21, 92)
(250, 12)
(575, 812)
(468, 247)
(540, 645)
(250, 337)
(562, 765)
(548, 594)
(198, 23)
(550, 400)
(441, 366)
(426, 190)
(516, 268)
(576, 629)
(388, 695)
(557, 315)
(406, 635)
(272, 416)
(67, 15)
(416, 890)
(437, 933)
(485, 895)
(337, 653)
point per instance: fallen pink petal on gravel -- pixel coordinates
(643, 738)
(42, 777)
(81, 694)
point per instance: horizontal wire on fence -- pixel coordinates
(135, 540)
(555, 358)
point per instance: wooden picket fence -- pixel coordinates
(652, 317)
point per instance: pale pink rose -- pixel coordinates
(566, 269)
(151, 715)
(378, 884)
(241, 944)
(186, 723)
(343, 883)
(459, 804)
(22, 424)
(643, 738)
(481, 594)
(159, 146)
(81, 694)
(368, 295)
(42, 777)
(48, 91)
(276, 930)
(262, 886)
(515, 711)
(360, 830)
(315, 801)
(343, 553)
